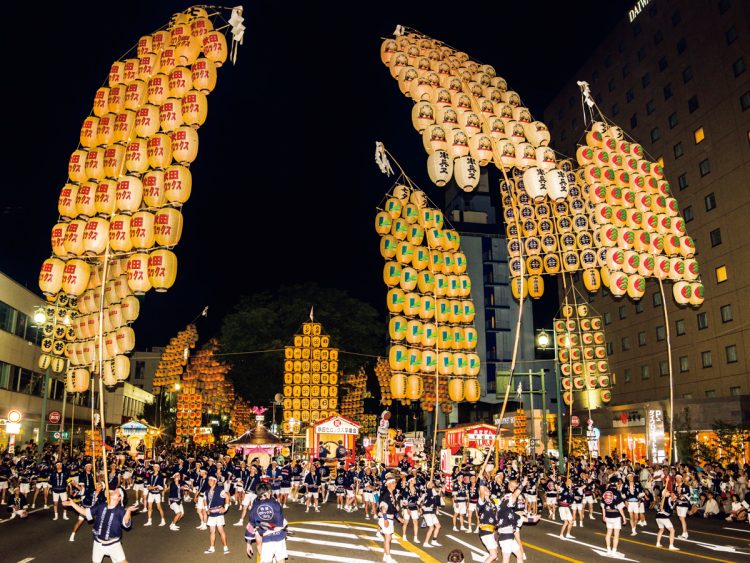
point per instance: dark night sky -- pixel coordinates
(285, 185)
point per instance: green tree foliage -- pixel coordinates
(728, 444)
(269, 320)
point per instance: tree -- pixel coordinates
(728, 443)
(685, 437)
(269, 320)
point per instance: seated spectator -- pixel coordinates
(738, 512)
(711, 508)
(699, 506)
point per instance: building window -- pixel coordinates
(710, 393)
(615, 109)
(644, 372)
(678, 150)
(702, 319)
(739, 66)
(656, 297)
(721, 274)
(693, 104)
(658, 37)
(611, 85)
(681, 46)
(663, 368)
(673, 120)
(668, 91)
(726, 313)
(625, 71)
(704, 167)
(646, 79)
(607, 318)
(706, 360)
(731, 35)
(661, 333)
(687, 213)
(682, 181)
(715, 237)
(663, 64)
(655, 134)
(731, 352)
(629, 96)
(687, 74)
(641, 54)
(724, 5)
(745, 100)
(625, 343)
(628, 375)
(685, 396)
(642, 338)
(684, 364)
(735, 391)
(610, 349)
(623, 314)
(710, 201)
(679, 326)
(676, 18)
(699, 135)
(633, 121)
(639, 306)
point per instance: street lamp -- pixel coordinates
(542, 342)
(13, 427)
(39, 318)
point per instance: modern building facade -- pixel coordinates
(22, 381)
(675, 79)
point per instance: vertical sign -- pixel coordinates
(656, 436)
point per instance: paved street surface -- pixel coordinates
(336, 536)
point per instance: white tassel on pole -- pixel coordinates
(399, 30)
(238, 31)
(382, 159)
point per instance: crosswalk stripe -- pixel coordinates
(345, 526)
(349, 546)
(325, 557)
(325, 533)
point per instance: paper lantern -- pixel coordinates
(51, 276)
(591, 279)
(138, 278)
(167, 227)
(180, 81)
(100, 106)
(187, 48)
(535, 286)
(682, 292)
(73, 242)
(466, 173)
(398, 385)
(142, 230)
(427, 307)
(129, 194)
(119, 233)
(75, 277)
(170, 114)
(480, 148)
(130, 307)
(58, 239)
(159, 151)
(121, 367)
(157, 90)
(456, 389)
(636, 286)
(558, 185)
(116, 98)
(95, 236)
(413, 362)
(412, 304)
(422, 115)
(204, 75)
(184, 144)
(194, 108)
(87, 137)
(397, 358)
(697, 294)
(136, 156)
(136, 94)
(472, 392)
(440, 167)
(154, 193)
(445, 363)
(124, 126)
(125, 339)
(178, 183)
(94, 164)
(395, 300)
(215, 47)
(397, 328)
(162, 269)
(130, 71)
(66, 203)
(167, 60)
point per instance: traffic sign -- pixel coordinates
(65, 435)
(54, 417)
(574, 422)
(56, 435)
(52, 427)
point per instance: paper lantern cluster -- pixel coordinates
(429, 300)
(189, 413)
(353, 388)
(93, 444)
(208, 376)
(465, 113)
(175, 357)
(58, 336)
(311, 376)
(129, 178)
(240, 417)
(520, 431)
(383, 373)
(369, 424)
(636, 220)
(582, 353)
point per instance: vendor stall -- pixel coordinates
(330, 431)
(259, 442)
(465, 442)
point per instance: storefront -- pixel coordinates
(330, 431)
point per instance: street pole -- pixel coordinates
(532, 441)
(545, 432)
(560, 459)
(42, 426)
(62, 426)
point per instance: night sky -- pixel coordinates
(285, 185)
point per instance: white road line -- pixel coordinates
(471, 547)
(349, 546)
(552, 521)
(306, 555)
(26, 560)
(711, 546)
(737, 530)
(598, 550)
(30, 512)
(344, 526)
(324, 532)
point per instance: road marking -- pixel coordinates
(471, 547)
(713, 534)
(26, 560)
(29, 511)
(652, 546)
(336, 525)
(349, 546)
(324, 557)
(563, 557)
(727, 548)
(596, 549)
(325, 533)
(737, 530)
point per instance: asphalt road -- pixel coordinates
(335, 536)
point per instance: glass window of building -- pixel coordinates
(702, 320)
(693, 104)
(607, 318)
(715, 237)
(699, 135)
(735, 391)
(682, 181)
(639, 306)
(641, 54)
(738, 67)
(684, 364)
(642, 338)
(610, 349)
(679, 327)
(623, 313)
(668, 91)
(615, 109)
(673, 120)
(731, 35)
(655, 134)
(681, 46)
(646, 79)
(656, 297)
(706, 360)
(710, 393)
(661, 333)
(745, 100)
(731, 352)
(663, 64)
(628, 374)
(676, 19)
(704, 167)
(721, 274)
(625, 71)
(710, 200)
(663, 368)
(687, 74)
(625, 343)
(633, 121)
(687, 213)
(658, 37)
(645, 373)
(629, 96)
(650, 107)
(726, 313)
(724, 5)
(678, 150)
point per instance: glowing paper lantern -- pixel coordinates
(73, 242)
(75, 277)
(194, 108)
(51, 276)
(398, 385)
(95, 236)
(215, 47)
(204, 75)
(466, 173)
(167, 227)
(440, 167)
(136, 156)
(142, 230)
(180, 81)
(178, 183)
(138, 278)
(162, 269)
(185, 144)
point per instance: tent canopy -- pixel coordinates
(258, 436)
(134, 427)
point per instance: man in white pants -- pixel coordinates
(155, 486)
